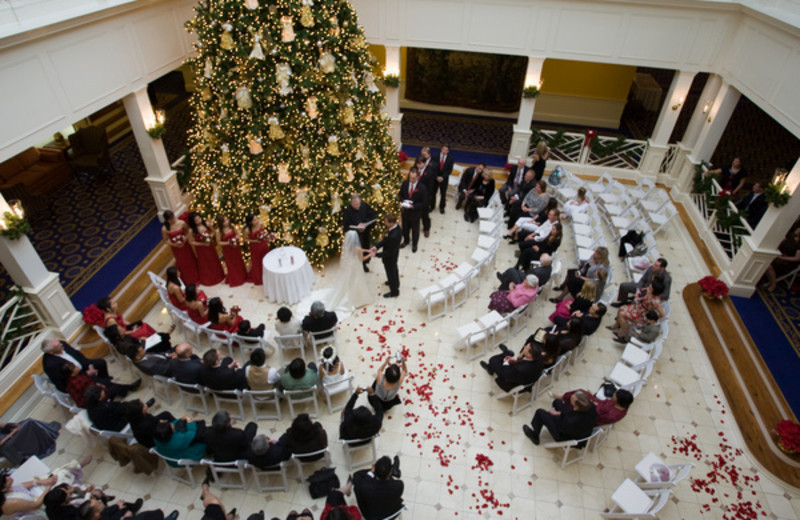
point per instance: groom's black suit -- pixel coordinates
(391, 250)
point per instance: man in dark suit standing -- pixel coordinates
(443, 166)
(391, 250)
(466, 182)
(377, 493)
(413, 197)
(515, 179)
(359, 217)
(58, 353)
(425, 169)
(755, 204)
(564, 421)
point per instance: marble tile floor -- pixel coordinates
(451, 417)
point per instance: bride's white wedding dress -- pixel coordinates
(351, 289)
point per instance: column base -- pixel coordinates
(520, 143)
(54, 305)
(747, 268)
(651, 163)
(167, 193)
(395, 130)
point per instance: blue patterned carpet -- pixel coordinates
(477, 134)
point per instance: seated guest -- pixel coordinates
(517, 276)
(197, 304)
(533, 204)
(582, 302)
(531, 250)
(517, 295)
(218, 373)
(590, 321)
(377, 493)
(787, 262)
(391, 375)
(304, 436)
(226, 443)
(336, 507)
(78, 383)
(259, 375)
(298, 376)
(647, 333)
(143, 424)
(247, 330)
(608, 411)
(634, 314)
(22, 497)
(465, 182)
(537, 230)
(180, 439)
(513, 209)
(112, 317)
(331, 369)
(58, 353)
(319, 319)
(160, 344)
(580, 204)
(29, 437)
(574, 419)
(573, 283)
(185, 366)
(94, 509)
(287, 324)
(628, 290)
(175, 289)
(265, 453)
(482, 191)
(104, 413)
(569, 337)
(220, 318)
(511, 371)
(150, 364)
(360, 423)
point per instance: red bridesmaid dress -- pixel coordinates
(143, 332)
(211, 272)
(196, 316)
(259, 247)
(232, 328)
(185, 260)
(237, 274)
(179, 305)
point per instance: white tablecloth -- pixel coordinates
(288, 276)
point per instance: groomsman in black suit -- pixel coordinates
(413, 196)
(466, 183)
(356, 216)
(515, 179)
(391, 250)
(443, 164)
(427, 177)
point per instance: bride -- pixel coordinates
(352, 288)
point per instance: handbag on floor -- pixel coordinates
(322, 481)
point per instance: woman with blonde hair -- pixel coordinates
(540, 157)
(588, 271)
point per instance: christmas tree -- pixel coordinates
(287, 119)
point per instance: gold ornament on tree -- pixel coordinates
(327, 63)
(205, 94)
(301, 198)
(243, 99)
(333, 146)
(225, 156)
(282, 74)
(254, 143)
(257, 53)
(283, 173)
(275, 130)
(348, 116)
(322, 238)
(306, 17)
(369, 79)
(377, 194)
(226, 41)
(336, 203)
(251, 4)
(208, 69)
(306, 153)
(287, 34)
(287, 233)
(348, 167)
(311, 107)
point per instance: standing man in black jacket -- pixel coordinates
(391, 251)
(443, 167)
(378, 494)
(413, 197)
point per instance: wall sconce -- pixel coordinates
(677, 105)
(706, 108)
(780, 176)
(157, 129)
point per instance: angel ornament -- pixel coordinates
(282, 73)
(327, 63)
(257, 53)
(243, 99)
(251, 4)
(287, 33)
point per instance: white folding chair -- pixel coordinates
(654, 201)
(601, 185)
(631, 502)
(235, 397)
(468, 274)
(220, 340)
(350, 446)
(521, 393)
(290, 344)
(175, 468)
(320, 340)
(434, 296)
(227, 469)
(194, 331)
(474, 338)
(482, 258)
(642, 189)
(247, 344)
(262, 476)
(662, 217)
(302, 460)
(295, 397)
(116, 354)
(193, 396)
(499, 326)
(649, 477)
(573, 450)
(344, 385)
(264, 398)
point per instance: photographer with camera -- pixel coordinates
(387, 383)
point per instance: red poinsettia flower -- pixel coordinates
(713, 286)
(789, 432)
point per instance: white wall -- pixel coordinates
(50, 78)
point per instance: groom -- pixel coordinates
(391, 249)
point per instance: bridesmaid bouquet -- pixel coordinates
(178, 240)
(204, 237)
(233, 241)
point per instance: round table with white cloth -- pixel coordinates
(288, 276)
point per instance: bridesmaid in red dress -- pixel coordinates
(112, 316)
(259, 241)
(175, 233)
(200, 237)
(197, 304)
(230, 240)
(175, 289)
(220, 318)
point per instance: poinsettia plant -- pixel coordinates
(789, 433)
(402, 156)
(713, 286)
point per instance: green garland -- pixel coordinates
(391, 80)
(702, 183)
(531, 92)
(157, 131)
(555, 142)
(15, 226)
(604, 150)
(774, 194)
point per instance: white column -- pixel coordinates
(759, 249)
(393, 95)
(700, 115)
(670, 110)
(43, 288)
(520, 141)
(161, 177)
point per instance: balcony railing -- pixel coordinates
(20, 324)
(728, 237)
(572, 147)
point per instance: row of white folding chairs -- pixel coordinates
(490, 330)
(636, 363)
(450, 292)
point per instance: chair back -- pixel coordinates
(295, 397)
(176, 466)
(221, 469)
(304, 459)
(260, 398)
(289, 343)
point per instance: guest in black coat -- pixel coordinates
(442, 168)
(515, 179)
(226, 443)
(564, 421)
(479, 198)
(185, 366)
(466, 182)
(104, 413)
(360, 423)
(755, 204)
(377, 493)
(150, 364)
(512, 371)
(264, 453)
(361, 218)
(218, 373)
(143, 424)
(319, 319)
(58, 353)
(304, 436)
(390, 244)
(590, 321)
(517, 276)
(413, 196)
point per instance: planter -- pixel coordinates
(709, 296)
(788, 451)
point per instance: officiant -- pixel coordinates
(361, 218)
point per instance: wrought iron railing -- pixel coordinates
(20, 324)
(572, 147)
(729, 237)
